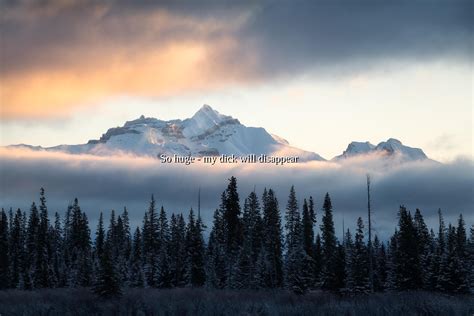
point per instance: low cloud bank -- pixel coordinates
(102, 184)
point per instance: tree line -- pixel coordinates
(248, 248)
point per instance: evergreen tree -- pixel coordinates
(272, 245)
(31, 255)
(252, 234)
(318, 255)
(41, 266)
(233, 228)
(298, 276)
(57, 246)
(359, 262)
(308, 231)
(107, 284)
(329, 247)
(423, 239)
(195, 250)
(178, 250)
(99, 243)
(16, 249)
(216, 255)
(408, 260)
(4, 253)
(380, 265)
(164, 275)
(150, 244)
(136, 264)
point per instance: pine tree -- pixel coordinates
(297, 275)
(195, 251)
(424, 244)
(252, 234)
(57, 246)
(78, 243)
(164, 275)
(31, 254)
(16, 249)
(329, 247)
(150, 244)
(273, 245)
(317, 261)
(99, 244)
(408, 268)
(4, 253)
(107, 284)
(380, 265)
(42, 264)
(178, 250)
(233, 228)
(308, 231)
(216, 256)
(470, 260)
(359, 262)
(136, 261)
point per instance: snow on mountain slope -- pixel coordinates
(206, 133)
(392, 148)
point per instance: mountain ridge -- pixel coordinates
(209, 133)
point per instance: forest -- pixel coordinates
(252, 247)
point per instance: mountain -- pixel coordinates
(392, 148)
(207, 133)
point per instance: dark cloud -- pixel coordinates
(286, 36)
(102, 184)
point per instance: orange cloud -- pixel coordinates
(146, 61)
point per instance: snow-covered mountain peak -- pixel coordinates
(390, 148)
(206, 133)
(205, 121)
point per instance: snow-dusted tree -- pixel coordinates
(273, 241)
(137, 278)
(216, 260)
(358, 259)
(108, 281)
(298, 277)
(380, 265)
(252, 242)
(150, 244)
(16, 249)
(329, 247)
(195, 248)
(4, 254)
(164, 276)
(178, 255)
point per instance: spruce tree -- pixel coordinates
(164, 275)
(136, 261)
(252, 234)
(4, 253)
(318, 255)
(359, 262)
(195, 250)
(273, 243)
(380, 265)
(150, 244)
(107, 284)
(297, 275)
(42, 264)
(16, 249)
(216, 255)
(329, 247)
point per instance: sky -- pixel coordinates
(317, 73)
(360, 70)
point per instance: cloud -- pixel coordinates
(105, 183)
(58, 55)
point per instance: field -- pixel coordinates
(229, 302)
